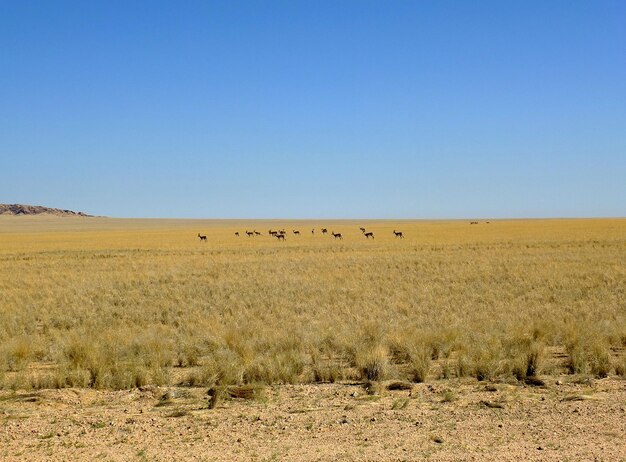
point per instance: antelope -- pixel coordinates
(368, 235)
(295, 231)
(313, 231)
(237, 233)
(324, 230)
(202, 238)
(398, 234)
(336, 236)
(249, 233)
(282, 232)
(280, 237)
(257, 233)
(362, 230)
(473, 222)
(273, 233)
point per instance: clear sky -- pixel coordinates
(388, 109)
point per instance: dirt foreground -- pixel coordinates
(568, 419)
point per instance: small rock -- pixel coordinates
(539, 448)
(344, 420)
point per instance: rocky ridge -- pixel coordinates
(20, 209)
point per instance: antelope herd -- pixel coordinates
(281, 234)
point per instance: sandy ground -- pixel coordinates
(569, 419)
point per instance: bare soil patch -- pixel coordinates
(568, 419)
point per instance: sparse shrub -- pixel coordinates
(446, 369)
(215, 395)
(373, 363)
(448, 396)
(486, 360)
(189, 355)
(419, 365)
(463, 365)
(17, 353)
(282, 367)
(372, 387)
(620, 366)
(324, 370)
(525, 357)
(223, 367)
(589, 355)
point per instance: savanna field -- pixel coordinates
(117, 304)
(135, 340)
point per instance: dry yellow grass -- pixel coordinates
(112, 303)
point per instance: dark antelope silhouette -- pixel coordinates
(237, 233)
(398, 234)
(324, 230)
(250, 233)
(280, 237)
(368, 235)
(336, 235)
(295, 231)
(202, 238)
(257, 233)
(313, 231)
(273, 233)
(473, 222)
(362, 230)
(282, 232)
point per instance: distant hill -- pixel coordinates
(19, 209)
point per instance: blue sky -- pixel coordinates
(338, 109)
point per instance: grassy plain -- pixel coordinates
(115, 304)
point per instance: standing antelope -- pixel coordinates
(324, 230)
(295, 231)
(368, 235)
(337, 235)
(249, 233)
(202, 238)
(280, 237)
(237, 233)
(362, 230)
(273, 233)
(398, 234)
(257, 233)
